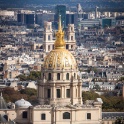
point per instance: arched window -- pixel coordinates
(74, 75)
(71, 37)
(49, 76)
(43, 116)
(66, 115)
(24, 114)
(41, 47)
(49, 37)
(67, 76)
(58, 76)
(71, 28)
(88, 115)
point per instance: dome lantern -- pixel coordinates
(59, 43)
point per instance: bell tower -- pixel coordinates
(71, 42)
(48, 37)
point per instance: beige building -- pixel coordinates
(59, 93)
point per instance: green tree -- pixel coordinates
(89, 96)
(29, 91)
(34, 75)
(96, 87)
(121, 79)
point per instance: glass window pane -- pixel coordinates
(48, 93)
(43, 117)
(66, 115)
(88, 115)
(58, 93)
(68, 93)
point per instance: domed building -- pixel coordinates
(60, 83)
(59, 92)
(22, 104)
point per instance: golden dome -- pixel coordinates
(60, 58)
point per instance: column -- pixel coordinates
(54, 92)
(62, 92)
(43, 92)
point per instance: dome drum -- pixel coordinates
(60, 76)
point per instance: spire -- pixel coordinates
(59, 43)
(59, 25)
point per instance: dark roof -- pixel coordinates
(106, 115)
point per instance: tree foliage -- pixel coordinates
(29, 91)
(10, 95)
(110, 103)
(34, 75)
(121, 79)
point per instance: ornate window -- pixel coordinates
(58, 93)
(88, 115)
(48, 93)
(49, 76)
(67, 76)
(43, 116)
(66, 115)
(58, 76)
(68, 93)
(24, 114)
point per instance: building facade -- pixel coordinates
(59, 93)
